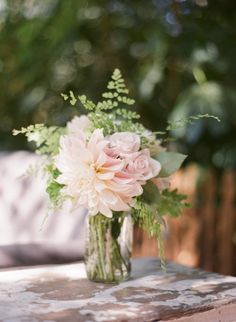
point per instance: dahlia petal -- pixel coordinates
(123, 180)
(101, 160)
(103, 209)
(108, 197)
(120, 205)
(106, 175)
(96, 136)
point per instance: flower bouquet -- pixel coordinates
(108, 163)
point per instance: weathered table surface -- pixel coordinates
(62, 293)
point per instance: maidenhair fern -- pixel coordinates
(45, 138)
(152, 206)
(148, 218)
(111, 113)
(88, 105)
(189, 120)
(71, 96)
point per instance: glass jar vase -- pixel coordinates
(108, 247)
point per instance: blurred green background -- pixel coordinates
(178, 58)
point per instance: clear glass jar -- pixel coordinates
(108, 247)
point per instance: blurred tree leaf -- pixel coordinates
(177, 56)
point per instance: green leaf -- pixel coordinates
(72, 97)
(170, 162)
(53, 187)
(64, 96)
(171, 203)
(150, 194)
(53, 191)
(73, 100)
(87, 104)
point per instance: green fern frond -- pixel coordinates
(125, 100)
(148, 218)
(102, 120)
(189, 120)
(110, 95)
(119, 119)
(73, 99)
(126, 114)
(45, 138)
(28, 130)
(117, 90)
(87, 104)
(64, 96)
(107, 105)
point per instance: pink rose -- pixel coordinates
(123, 143)
(141, 166)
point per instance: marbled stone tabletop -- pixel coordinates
(62, 293)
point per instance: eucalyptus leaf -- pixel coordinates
(150, 194)
(170, 162)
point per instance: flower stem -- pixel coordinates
(105, 259)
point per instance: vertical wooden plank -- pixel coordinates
(208, 215)
(203, 236)
(143, 244)
(226, 225)
(172, 242)
(137, 242)
(188, 226)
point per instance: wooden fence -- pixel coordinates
(205, 235)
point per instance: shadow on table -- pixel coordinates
(33, 254)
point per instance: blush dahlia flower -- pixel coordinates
(97, 179)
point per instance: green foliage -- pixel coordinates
(167, 202)
(53, 187)
(180, 124)
(31, 132)
(53, 190)
(151, 194)
(173, 55)
(117, 93)
(72, 97)
(45, 138)
(106, 105)
(102, 120)
(171, 203)
(170, 162)
(117, 84)
(152, 206)
(176, 124)
(47, 143)
(109, 114)
(148, 218)
(88, 105)
(126, 114)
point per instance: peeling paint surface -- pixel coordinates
(62, 293)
